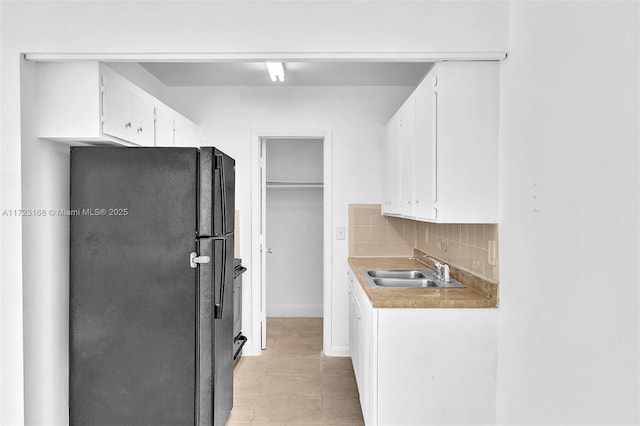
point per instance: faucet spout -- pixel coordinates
(443, 272)
(437, 264)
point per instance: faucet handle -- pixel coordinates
(446, 275)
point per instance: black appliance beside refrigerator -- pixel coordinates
(239, 339)
(151, 278)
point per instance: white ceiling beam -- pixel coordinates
(275, 56)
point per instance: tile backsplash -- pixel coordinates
(465, 246)
(371, 234)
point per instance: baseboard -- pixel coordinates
(338, 351)
(295, 311)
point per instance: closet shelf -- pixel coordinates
(293, 184)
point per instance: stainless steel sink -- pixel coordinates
(407, 278)
(397, 273)
(411, 283)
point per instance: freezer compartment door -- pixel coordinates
(216, 193)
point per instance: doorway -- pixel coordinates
(292, 177)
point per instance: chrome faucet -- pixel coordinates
(443, 272)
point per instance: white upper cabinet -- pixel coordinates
(424, 152)
(164, 129)
(391, 202)
(449, 145)
(117, 107)
(407, 146)
(143, 120)
(89, 102)
(467, 134)
(126, 112)
(173, 129)
(187, 134)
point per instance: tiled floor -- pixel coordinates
(293, 383)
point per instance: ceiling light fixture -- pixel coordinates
(276, 70)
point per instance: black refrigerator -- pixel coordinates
(151, 278)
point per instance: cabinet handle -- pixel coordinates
(139, 129)
(417, 202)
(127, 125)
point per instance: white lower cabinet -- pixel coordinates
(423, 366)
(361, 332)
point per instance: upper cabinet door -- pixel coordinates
(143, 120)
(424, 158)
(164, 127)
(182, 136)
(468, 141)
(391, 189)
(407, 139)
(117, 107)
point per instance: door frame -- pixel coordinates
(258, 281)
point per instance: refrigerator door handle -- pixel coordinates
(217, 309)
(223, 190)
(194, 259)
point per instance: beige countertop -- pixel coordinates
(476, 294)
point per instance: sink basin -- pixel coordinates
(419, 282)
(406, 278)
(397, 273)
(398, 282)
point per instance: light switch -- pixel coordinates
(340, 232)
(536, 198)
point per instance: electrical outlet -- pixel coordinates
(340, 232)
(491, 258)
(476, 265)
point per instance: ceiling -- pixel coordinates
(296, 73)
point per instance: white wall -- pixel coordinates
(138, 75)
(297, 160)
(177, 26)
(568, 339)
(45, 263)
(354, 115)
